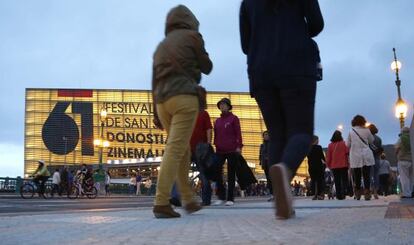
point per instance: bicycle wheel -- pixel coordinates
(92, 193)
(27, 191)
(73, 192)
(48, 192)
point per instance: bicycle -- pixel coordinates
(79, 189)
(30, 188)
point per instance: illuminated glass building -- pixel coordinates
(62, 124)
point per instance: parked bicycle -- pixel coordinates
(30, 188)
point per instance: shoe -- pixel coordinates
(321, 197)
(206, 204)
(375, 194)
(272, 198)
(280, 176)
(192, 207)
(367, 195)
(164, 212)
(175, 201)
(218, 203)
(315, 198)
(229, 203)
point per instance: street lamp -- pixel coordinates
(401, 111)
(400, 107)
(101, 142)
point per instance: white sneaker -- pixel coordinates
(229, 203)
(218, 203)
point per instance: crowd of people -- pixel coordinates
(354, 167)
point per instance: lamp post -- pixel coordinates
(101, 143)
(400, 106)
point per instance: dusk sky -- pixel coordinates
(109, 45)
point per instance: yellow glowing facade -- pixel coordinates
(62, 124)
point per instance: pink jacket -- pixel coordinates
(337, 155)
(227, 133)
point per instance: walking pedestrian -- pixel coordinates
(178, 63)
(316, 163)
(228, 141)
(377, 154)
(264, 162)
(405, 165)
(361, 157)
(337, 161)
(384, 175)
(139, 182)
(56, 182)
(282, 58)
(202, 134)
(107, 183)
(132, 185)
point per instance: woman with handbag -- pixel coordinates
(337, 161)
(361, 157)
(178, 63)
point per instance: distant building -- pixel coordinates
(62, 124)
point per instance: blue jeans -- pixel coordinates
(289, 118)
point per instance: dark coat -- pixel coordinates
(278, 42)
(244, 174)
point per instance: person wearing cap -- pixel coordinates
(405, 165)
(283, 67)
(178, 62)
(41, 175)
(228, 142)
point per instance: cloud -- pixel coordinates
(12, 160)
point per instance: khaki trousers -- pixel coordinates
(178, 116)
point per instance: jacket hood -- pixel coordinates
(181, 17)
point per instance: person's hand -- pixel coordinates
(157, 123)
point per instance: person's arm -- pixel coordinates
(329, 156)
(322, 154)
(397, 146)
(244, 26)
(237, 129)
(209, 135)
(202, 56)
(313, 17)
(156, 121)
(209, 127)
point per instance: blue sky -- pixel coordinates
(109, 44)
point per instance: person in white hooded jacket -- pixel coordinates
(361, 157)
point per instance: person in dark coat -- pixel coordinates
(316, 164)
(283, 67)
(264, 161)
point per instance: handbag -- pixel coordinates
(373, 147)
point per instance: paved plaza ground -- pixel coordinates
(383, 221)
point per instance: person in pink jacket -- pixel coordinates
(228, 142)
(337, 161)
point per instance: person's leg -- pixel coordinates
(271, 107)
(321, 184)
(268, 180)
(220, 187)
(357, 180)
(177, 115)
(366, 172)
(298, 108)
(288, 115)
(232, 161)
(345, 182)
(338, 183)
